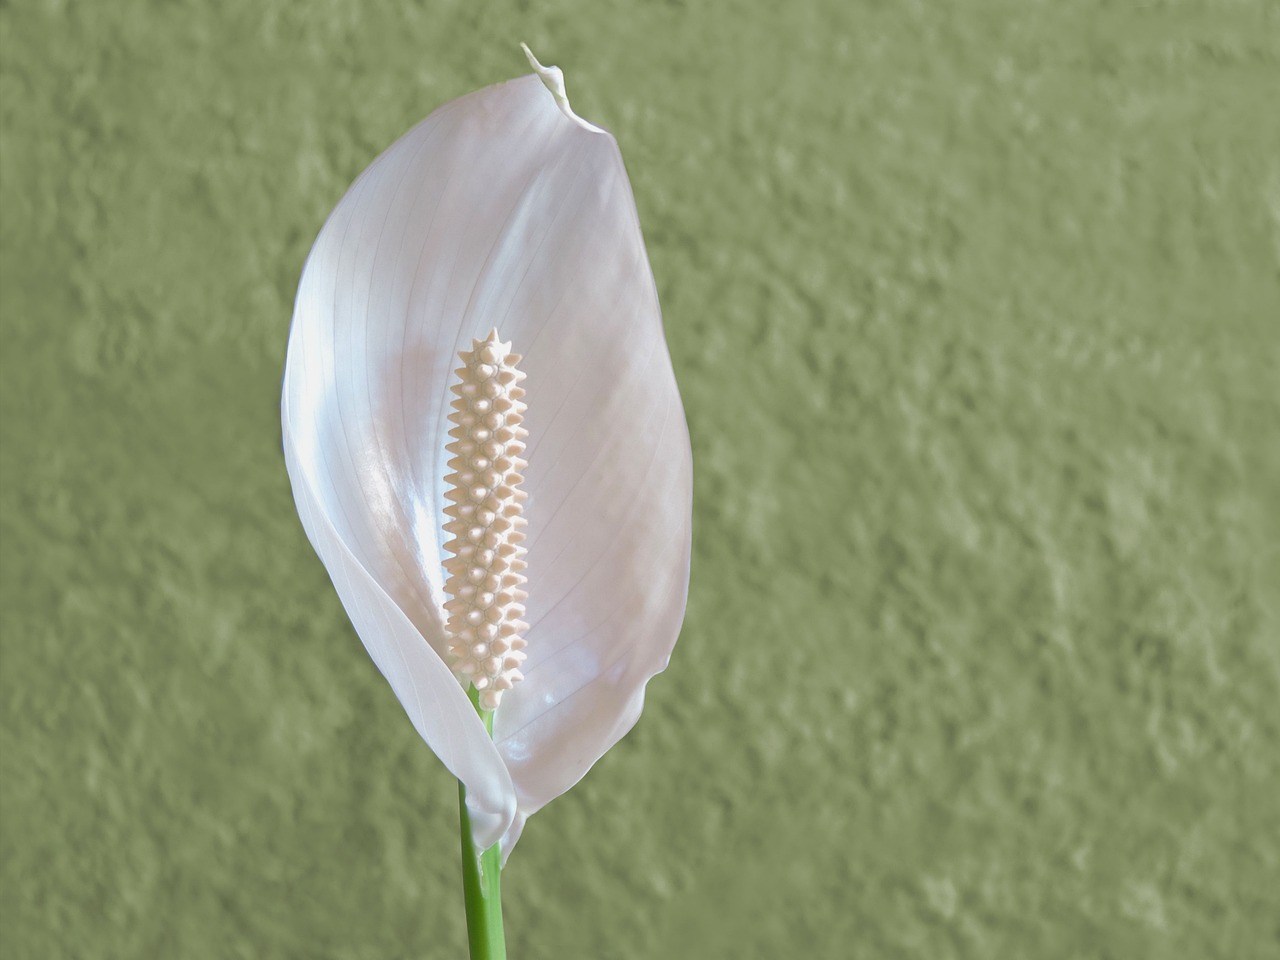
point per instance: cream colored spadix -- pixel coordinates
(501, 212)
(486, 566)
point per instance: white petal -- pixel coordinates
(439, 710)
(499, 210)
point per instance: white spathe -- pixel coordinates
(500, 210)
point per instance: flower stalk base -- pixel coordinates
(481, 876)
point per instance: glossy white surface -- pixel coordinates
(498, 210)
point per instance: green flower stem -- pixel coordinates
(481, 875)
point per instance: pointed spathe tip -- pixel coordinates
(538, 68)
(553, 79)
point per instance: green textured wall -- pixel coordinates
(976, 311)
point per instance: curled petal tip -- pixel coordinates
(553, 79)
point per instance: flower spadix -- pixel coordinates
(486, 566)
(486, 444)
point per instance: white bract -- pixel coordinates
(501, 212)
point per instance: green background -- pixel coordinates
(975, 308)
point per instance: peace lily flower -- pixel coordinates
(486, 275)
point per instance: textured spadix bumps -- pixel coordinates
(486, 569)
(500, 210)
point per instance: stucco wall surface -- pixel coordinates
(975, 308)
